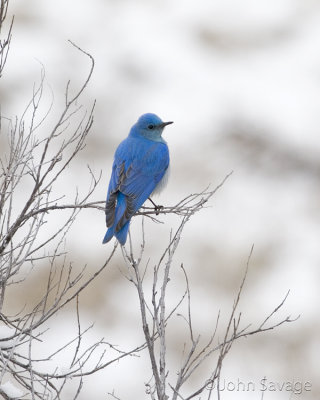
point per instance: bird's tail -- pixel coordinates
(108, 236)
(121, 235)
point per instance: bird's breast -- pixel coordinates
(163, 182)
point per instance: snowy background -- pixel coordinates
(241, 81)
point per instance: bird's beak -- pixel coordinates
(165, 124)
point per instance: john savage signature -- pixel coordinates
(264, 385)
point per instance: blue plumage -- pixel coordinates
(140, 164)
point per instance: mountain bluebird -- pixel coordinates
(140, 168)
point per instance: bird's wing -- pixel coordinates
(117, 176)
(136, 179)
(144, 173)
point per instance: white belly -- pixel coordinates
(163, 183)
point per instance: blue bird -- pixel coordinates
(139, 169)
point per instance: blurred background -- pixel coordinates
(241, 81)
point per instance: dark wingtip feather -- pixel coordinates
(110, 209)
(127, 215)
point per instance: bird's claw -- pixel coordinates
(157, 209)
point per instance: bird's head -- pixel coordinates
(150, 126)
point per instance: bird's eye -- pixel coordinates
(150, 126)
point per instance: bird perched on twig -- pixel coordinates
(140, 168)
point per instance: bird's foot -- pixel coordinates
(157, 208)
